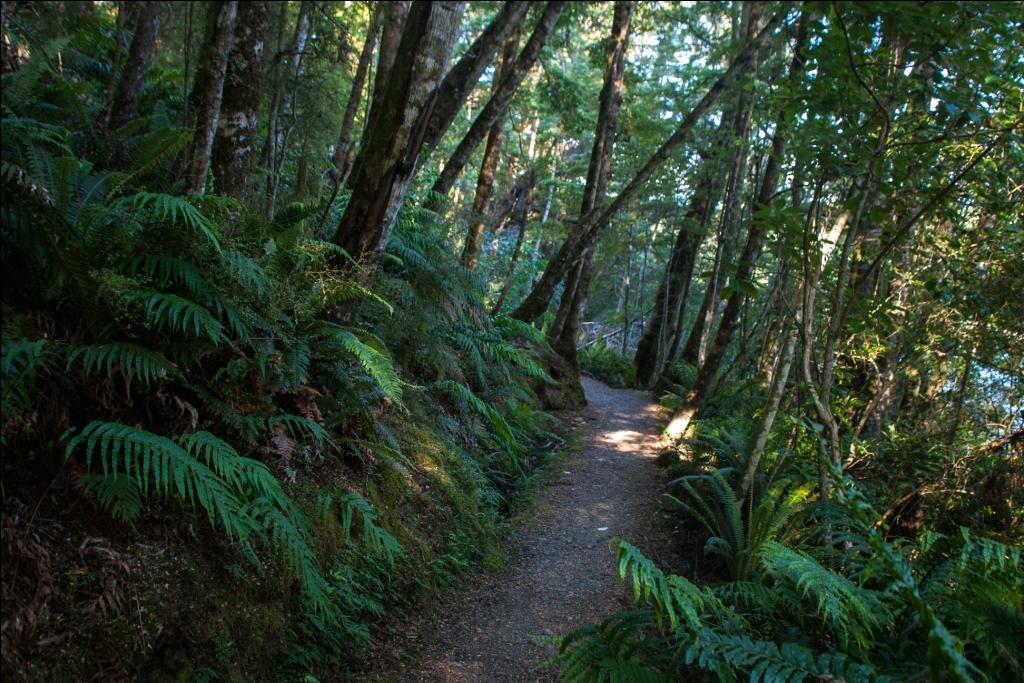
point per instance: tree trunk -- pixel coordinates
(235, 143)
(565, 333)
(780, 377)
(695, 350)
(395, 15)
(463, 76)
(344, 151)
(593, 225)
(208, 91)
(744, 270)
(696, 343)
(489, 164)
(145, 27)
(398, 120)
(10, 54)
(519, 218)
(497, 105)
(285, 71)
(624, 293)
(654, 348)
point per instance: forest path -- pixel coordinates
(561, 573)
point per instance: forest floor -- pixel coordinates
(561, 572)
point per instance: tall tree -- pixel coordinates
(592, 226)
(344, 149)
(566, 329)
(741, 281)
(234, 146)
(523, 199)
(463, 76)
(284, 75)
(398, 118)
(499, 101)
(208, 91)
(144, 29)
(488, 165)
(664, 327)
(393, 21)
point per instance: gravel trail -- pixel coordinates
(561, 572)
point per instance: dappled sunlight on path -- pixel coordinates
(561, 570)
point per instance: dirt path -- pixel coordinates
(561, 572)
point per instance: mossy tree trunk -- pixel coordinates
(397, 127)
(235, 143)
(208, 92)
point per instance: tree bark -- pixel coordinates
(395, 15)
(344, 150)
(285, 70)
(519, 216)
(235, 143)
(208, 91)
(463, 76)
(497, 105)
(593, 225)
(565, 333)
(780, 377)
(744, 270)
(398, 120)
(653, 349)
(489, 164)
(695, 350)
(145, 28)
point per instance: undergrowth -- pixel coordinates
(343, 441)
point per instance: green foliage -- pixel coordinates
(606, 364)
(740, 531)
(770, 626)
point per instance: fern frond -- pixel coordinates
(850, 611)
(375, 363)
(130, 360)
(150, 460)
(496, 419)
(767, 661)
(178, 314)
(176, 210)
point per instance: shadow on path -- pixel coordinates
(561, 571)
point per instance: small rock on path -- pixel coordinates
(561, 572)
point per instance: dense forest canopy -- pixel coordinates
(294, 291)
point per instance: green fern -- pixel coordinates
(176, 210)
(497, 421)
(769, 662)
(21, 361)
(735, 537)
(130, 360)
(376, 364)
(172, 312)
(239, 495)
(851, 612)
